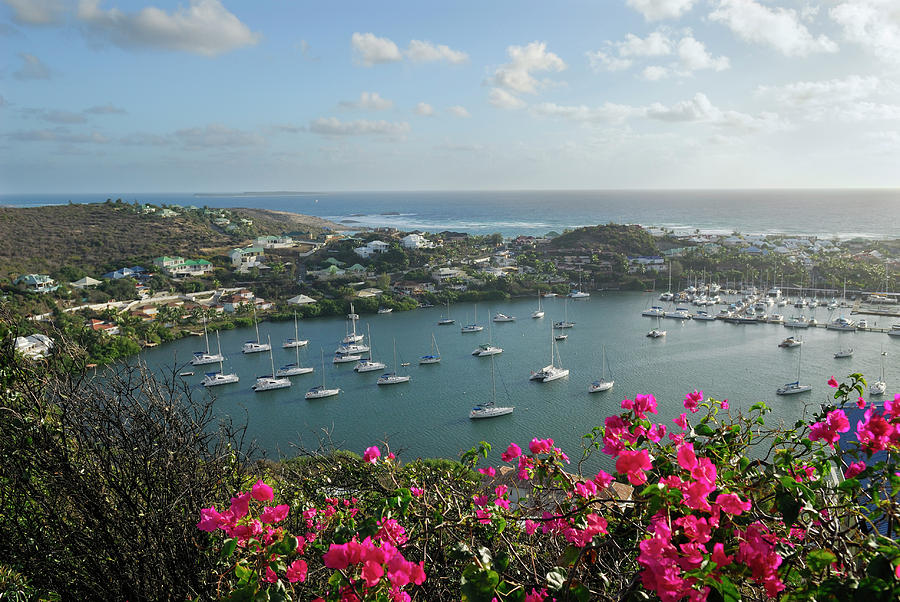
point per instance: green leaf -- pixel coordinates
(478, 584)
(849, 485)
(228, 547)
(569, 555)
(242, 572)
(556, 579)
(501, 561)
(820, 559)
(727, 590)
(788, 506)
(242, 594)
(580, 592)
(703, 429)
(499, 523)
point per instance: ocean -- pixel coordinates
(845, 214)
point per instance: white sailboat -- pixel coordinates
(271, 381)
(564, 323)
(488, 348)
(490, 409)
(445, 320)
(321, 391)
(879, 386)
(392, 378)
(500, 317)
(602, 385)
(668, 295)
(844, 353)
(474, 326)
(205, 357)
(295, 369)
(794, 387)
(435, 356)
(296, 341)
(539, 312)
(255, 346)
(352, 337)
(551, 371)
(656, 332)
(212, 379)
(369, 365)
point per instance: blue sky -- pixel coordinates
(221, 95)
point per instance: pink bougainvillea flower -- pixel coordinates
(603, 479)
(874, 431)
(835, 422)
(372, 454)
(536, 596)
(656, 432)
(681, 421)
(372, 573)
(634, 463)
(854, 469)
(274, 515)
(262, 492)
(732, 504)
(391, 456)
(271, 577)
(692, 401)
(512, 452)
(210, 519)
(832, 383)
(296, 572)
(484, 516)
(530, 526)
(416, 491)
(687, 459)
(860, 403)
(540, 446)
(489, 471)
(337, 556)
(719, 556)
(725, 404)
(892, 406)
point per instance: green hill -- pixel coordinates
(617, 238)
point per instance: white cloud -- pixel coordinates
(424, 109)
(459, 111)
(35, 12)
(600, 60)
(502, 99)
(654, 10)
(516, 75)
(371, 50)
(423, 52)
(107, 109)
(216, 135)
(694, 56)
(32, 68)
(204, 27)
(873, 24)
(849, 99)
(777, 27)
(369, 101)
(655, 44)
(605, 113)
(331, 126)
(655, 73)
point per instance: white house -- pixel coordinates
(442, 274)
(246, 258)
(415, 241)
(34, 346)
(371, 248)
(275, 242)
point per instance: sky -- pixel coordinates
(266, 95)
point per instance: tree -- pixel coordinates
(383, 281)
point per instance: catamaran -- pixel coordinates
(255, 346)
(205, 357)
(602, 385)
(271, 381)
(551, 371)
(296, 341)
(488, 348)
(212, 379)
(656, 332)
(321, 391)
(392, 378)
(368, 365)
(435, 356)
(499, 317)
(490, 409)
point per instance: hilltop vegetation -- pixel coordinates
(619, 238)
(112, 234)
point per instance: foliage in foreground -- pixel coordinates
(103, 482)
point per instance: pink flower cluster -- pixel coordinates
(757, 550)
(878, 431)
(835, 422)
(230, 521)
(375, 562)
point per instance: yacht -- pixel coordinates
(879, 386)
(680, 313)
(791, 342)
(578, 294)
(205, 357)
(813, 321)
(862, 324)
(498, 317)
(434, 356)
(800, 302)
(548, 295)
(295, 369)
(486, 350)
(894, 331)
(271, 381)
(656, 332)
(844, 353)
(654, 311)
(781, 302)
(551, 372)
(602, 384)
(351, 348)
(774, 294)
(775, 319)
(704, 316)
(346, 358)
(368, 365)
(797, 322)
(841, 323)
(352, 337)
(561, 337)
(474, 326)
(445, 320)
(667, 297)
(490, 409)
(212, 379)
(392, 378)
(321, 391)
(255, 346)
(385, 310)
(539, 312)
(565, 322)
(794, 387)
(295, 341)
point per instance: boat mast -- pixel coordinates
(256, 324)
(493, 385)
(369, 333)
(221, 357)
(296, 339)
(206, 334)
(271, 357)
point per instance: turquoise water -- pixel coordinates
(428, 416)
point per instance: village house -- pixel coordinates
(371, 248)
(245, 259)
(233, 302)
(274, 242)
(415, 241)
(35, 346)
(179, 266)
(441, 274)
(37, 283)
(102, 326)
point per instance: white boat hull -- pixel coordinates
(217, 378)
(320, 392)
(793, 389)
(366, 366)
(430, 360)
(540, 314)
(392, 379)
(482, 412)
(294, 371)
(270, 384)
(206, 358)
(471, 329)
(345, 359)
(251, 347)
(290, 344)
(600, 386)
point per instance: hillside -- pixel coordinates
(109, 235)
(618, 238)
